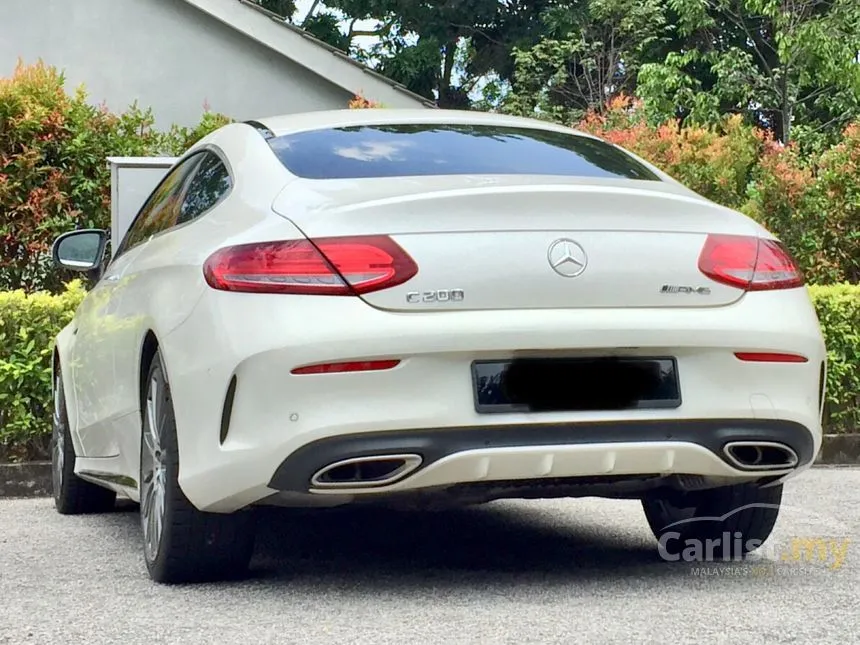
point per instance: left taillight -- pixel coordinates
(335, 266)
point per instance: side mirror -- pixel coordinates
(81, 250)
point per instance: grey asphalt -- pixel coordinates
(560, 571)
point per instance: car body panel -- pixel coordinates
(638, 236)
(275, 412)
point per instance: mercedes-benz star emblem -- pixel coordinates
(567, 258)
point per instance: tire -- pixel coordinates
(181, 543)
(736, 519)
(72, 495)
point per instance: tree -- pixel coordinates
(781, 63)
(592, 52)
(419, 41)
(285, 8)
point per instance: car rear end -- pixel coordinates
(535, 313)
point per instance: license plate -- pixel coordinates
(575, 384)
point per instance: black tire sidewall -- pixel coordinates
(60, 423)
(759, 508)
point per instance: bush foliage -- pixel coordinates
(811, 202)
(54, 175)
(28, 324)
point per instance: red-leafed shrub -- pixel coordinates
(715, 163)
(813, 205)
(53, 168)
(810, 202)
(358, 102)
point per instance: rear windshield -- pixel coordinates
(408, 150)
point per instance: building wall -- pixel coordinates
(164, 54)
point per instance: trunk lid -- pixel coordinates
(527, 242)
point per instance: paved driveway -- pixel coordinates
(582, 571)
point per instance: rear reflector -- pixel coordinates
(342, 266)
(749, 263)
(358, 366)
(770, 357)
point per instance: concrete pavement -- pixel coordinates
(559, 571)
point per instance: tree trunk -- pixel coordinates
(445, 97)
(786, 111)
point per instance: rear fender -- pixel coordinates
(62, 358)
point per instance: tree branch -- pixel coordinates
(382, 30)
(739, 21)
(310, 12)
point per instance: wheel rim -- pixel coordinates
(58, 454)
(153, 474)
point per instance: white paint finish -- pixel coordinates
(105, 322)
(132, 180)
(637, 236)
(207, 336)
(260, 338)
(164, 54)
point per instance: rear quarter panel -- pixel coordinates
(165, 282)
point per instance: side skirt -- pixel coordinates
(107, 472)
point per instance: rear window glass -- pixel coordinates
(409, 150)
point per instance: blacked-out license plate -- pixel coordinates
(575, 384)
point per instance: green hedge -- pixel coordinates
(28, 324)
(838, 308)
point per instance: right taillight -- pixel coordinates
(749, 263)
(340, 266)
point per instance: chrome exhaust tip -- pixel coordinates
(760, 455)
(365, 472)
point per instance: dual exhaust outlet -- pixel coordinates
(381, 470)
(760, 455)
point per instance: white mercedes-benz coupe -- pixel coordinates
(429, 307)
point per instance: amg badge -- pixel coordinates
(677, 288)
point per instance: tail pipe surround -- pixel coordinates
(365, 472)
(760, 455)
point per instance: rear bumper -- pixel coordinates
(466, 455)
(229, 460)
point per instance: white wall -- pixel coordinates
(132, 180)
(163, 53)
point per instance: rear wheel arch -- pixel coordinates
(58, 369)
(147, 353)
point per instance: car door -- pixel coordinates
(168, 277)
(107, 323)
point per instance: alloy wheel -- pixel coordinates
(153, 468)
(58, 453)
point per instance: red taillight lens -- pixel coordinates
(749, 263)
(344, 266)
(356, 366)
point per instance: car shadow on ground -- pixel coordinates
(454, 548)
